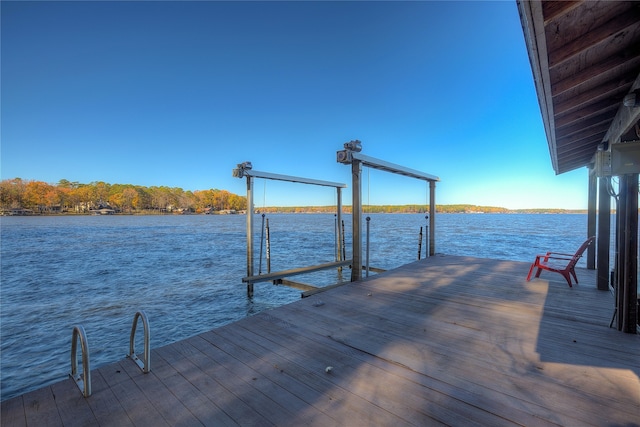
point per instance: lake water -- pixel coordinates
(185, 272)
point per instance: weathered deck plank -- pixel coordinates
(106, 410)
(13, 412)
(445, 341)
(498, 360)
(40, 408)
(325, 391)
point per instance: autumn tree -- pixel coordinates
(12, 193)
(16, 193)
(35, 195)
(128, 194)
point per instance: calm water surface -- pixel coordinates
(185, 273)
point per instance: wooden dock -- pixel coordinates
(443, 341)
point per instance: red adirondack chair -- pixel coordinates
(560, 263)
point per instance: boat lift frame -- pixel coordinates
(352, 155)
(246, 170)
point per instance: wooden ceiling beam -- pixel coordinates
(585, 57)
(624, 62)
(572, 67)
(586, 113)
(576, 140)
(601, 121)
(553, 9)
(574, 164)
(581, 152)
(604, 34)
(578, 155)
(591, 137)
(614, 90)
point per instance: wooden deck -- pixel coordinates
(443, 341)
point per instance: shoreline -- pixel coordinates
(399, 209)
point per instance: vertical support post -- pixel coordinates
(632, 266)
(620, 250)
(626, 301)
(367, 263)
(249, 233)
(591, 218)
(338, 222)
(261, 244)
(344, 244)
(604, 231)
(426, 237)
(432, 218)
(356, 215)
(268, 247)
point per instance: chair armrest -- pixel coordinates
(550, 256)
(558, 253)
(559, 257)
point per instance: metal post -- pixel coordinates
(336, 233)
(249, 233)
(432, 219)
(591, 217)
(367, 264)
(604, 231)
(344, 245)
(268, 247)
(261, 244)
(426, 237)
(356, 215)
(338, 222)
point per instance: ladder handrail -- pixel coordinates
(82, 381)
(145, 364)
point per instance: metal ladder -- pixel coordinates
(83, 381)
(145, 363)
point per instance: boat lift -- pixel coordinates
(246, 170)
(352, 155)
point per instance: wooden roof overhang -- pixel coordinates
(585, 57)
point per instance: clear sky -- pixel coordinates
(178, 93)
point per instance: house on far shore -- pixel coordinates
(103, 211)
(17, 212)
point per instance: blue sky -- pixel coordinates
(178, 93)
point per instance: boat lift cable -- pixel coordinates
(262, 228)
(264, 195)
(426, 228)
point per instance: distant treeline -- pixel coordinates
(28, 196)
(473, 209)
(65, 196)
